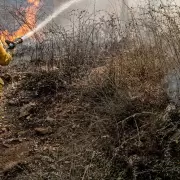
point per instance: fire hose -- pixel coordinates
(13, 44)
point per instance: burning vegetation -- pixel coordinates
(29, 22)
(95, 102)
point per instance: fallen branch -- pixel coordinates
(136, 115)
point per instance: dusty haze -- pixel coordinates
(119, 7)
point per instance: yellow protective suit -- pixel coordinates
(5, 59)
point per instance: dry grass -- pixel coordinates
(110, 121)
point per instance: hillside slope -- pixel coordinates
(53, 129)
(95, 103)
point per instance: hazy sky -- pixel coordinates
(116, 6)
(120, 7)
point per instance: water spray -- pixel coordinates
(60, 10)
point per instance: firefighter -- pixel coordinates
(5, 59)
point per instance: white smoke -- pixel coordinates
(119, 7)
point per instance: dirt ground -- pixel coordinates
(52, 129)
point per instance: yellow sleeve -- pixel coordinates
(5, 57)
